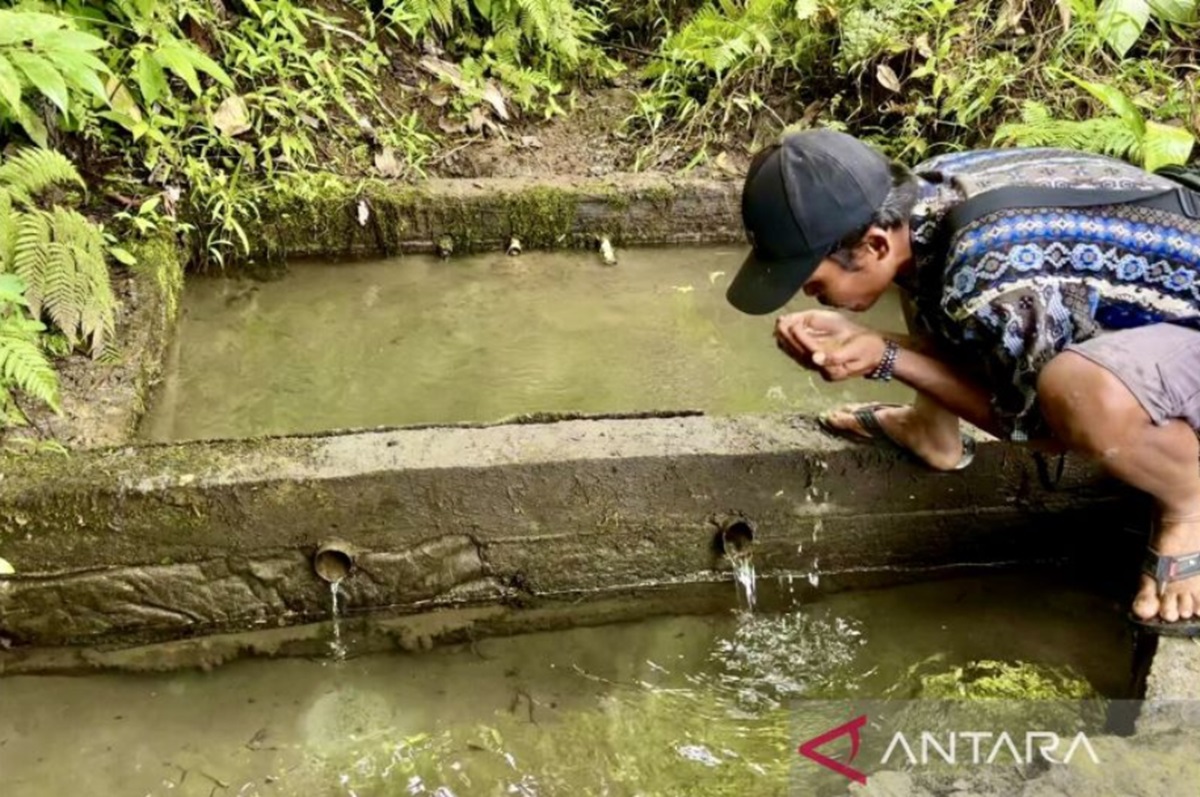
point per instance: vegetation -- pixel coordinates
(190, 117)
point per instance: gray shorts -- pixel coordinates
(1159, 364)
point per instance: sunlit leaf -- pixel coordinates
(122, 256)
(10, 84)
(20, 26)
(1121, 105)
(1166, 145)
(151, 80)
(1181, 11)
(42, 75)
(1121, 22)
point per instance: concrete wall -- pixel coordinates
(165, 542)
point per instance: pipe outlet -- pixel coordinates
(735, 536)
(333, 561)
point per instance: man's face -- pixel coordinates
(875, 264)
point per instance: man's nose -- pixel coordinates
(811, 289)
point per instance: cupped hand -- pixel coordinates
(830, 343)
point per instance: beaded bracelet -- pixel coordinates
(887, 364)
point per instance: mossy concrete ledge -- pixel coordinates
(164, 542)
(381, 218)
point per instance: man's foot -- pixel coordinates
(939, 446)
(1181, 600)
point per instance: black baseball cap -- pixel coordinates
(801, 197)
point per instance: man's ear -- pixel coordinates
(877, 242)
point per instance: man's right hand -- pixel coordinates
(801, 335)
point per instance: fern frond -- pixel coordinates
(64, 296)
(8, 232)
(29, 255)
(33, 170)
(23, 365)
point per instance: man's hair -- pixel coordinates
(895, 210)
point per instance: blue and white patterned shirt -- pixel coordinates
(1015, 287)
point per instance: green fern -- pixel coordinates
(1105, 135)
(58, 254)
(23, 363)
(32, 171)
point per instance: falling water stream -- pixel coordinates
(336, 646)
(742, 562)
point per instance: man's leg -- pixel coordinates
(1129, 400)
(924, 427)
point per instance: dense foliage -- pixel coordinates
(189, 115)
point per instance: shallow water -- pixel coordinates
(417, 340)
(684, 705)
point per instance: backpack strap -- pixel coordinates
(1176, 199)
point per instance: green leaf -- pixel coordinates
(184, 60)
(33, 125)
(12, 289)
(42, 75)
(83, 70)
(1166, 145)
(1121, 22)
(1179, 11)
(173, 56)
(151, 79)
(10, 84)
(1121, 105)
(122, 256)
(207, 65)
(69, 41)
(21, 26)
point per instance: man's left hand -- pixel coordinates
(830, 343)
(859, 356)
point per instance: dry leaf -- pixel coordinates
(495, 98)
(232, 117)
(1010, 14)
(531, 142)
(922, 45)
(6, 569)
(438, 94)
(446, 125)
(386, 163)
(364, 213)
(476, 121)
(443, 69)
(1064, 12)
(887, 77)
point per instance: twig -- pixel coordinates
(451, 152)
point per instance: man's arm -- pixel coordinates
(947, 386)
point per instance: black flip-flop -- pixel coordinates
(865, 416)
(1165, 569)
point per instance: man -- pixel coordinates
(1073, 323)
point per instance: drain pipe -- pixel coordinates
(735, 537)
(333, 561)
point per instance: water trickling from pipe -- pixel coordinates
(745, 578)
(336, 647)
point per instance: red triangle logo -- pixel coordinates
(851, 728)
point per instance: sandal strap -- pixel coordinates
(1165, 569)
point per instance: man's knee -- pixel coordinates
(1084, 404)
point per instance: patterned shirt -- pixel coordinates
(1014, 287)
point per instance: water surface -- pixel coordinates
(690, 705)
(418, 340)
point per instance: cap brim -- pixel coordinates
(763, 286)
